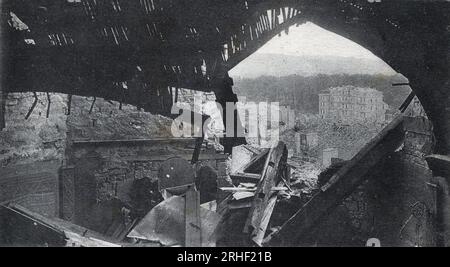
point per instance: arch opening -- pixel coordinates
(319, 75)
(332, 97)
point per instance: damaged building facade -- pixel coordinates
(352, 104)
(87, 157)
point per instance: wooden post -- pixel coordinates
(192, 217)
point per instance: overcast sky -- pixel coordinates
(310, 39)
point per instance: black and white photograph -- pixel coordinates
(250, 124)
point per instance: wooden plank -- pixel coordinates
(270, 178)
(253, 161)
(242, 176)
(245, 177)
(251, 189)
(192, 215)
(46, 229)
(32, 106)
(261, 231)
(341, 184)
(407, 101)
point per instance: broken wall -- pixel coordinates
(32, 150)
(397, 203)
(109, 148)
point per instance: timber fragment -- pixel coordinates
(265, 195)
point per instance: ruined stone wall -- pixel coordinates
(37, 138)
(26, 144)
(100, 119)
(32, 150)
(109, 148)
(396, 205)
(105, 173)
(121, 163)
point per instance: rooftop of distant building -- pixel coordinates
(350, 88)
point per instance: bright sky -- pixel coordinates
(310, 39)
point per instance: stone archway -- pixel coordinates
(415, 45)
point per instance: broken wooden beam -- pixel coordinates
(251, 171)
(192, 219)
(246, 189)
(245, 177)
(32, 106)
(407, 101)
(340, 185)
(270, 178)
(49, 102)
(92, 105)
(256, 164)
(259, 234)
(400, 84)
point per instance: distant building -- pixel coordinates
(350, 104)
(305, 141)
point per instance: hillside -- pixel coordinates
(284, 65)
(301, 92)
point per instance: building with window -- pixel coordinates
(352, 104)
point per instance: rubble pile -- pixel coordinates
(349, 139)
(304, 176)
(99, 119)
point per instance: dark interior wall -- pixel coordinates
(124, 161)
(103, 174)
(85, 187)
(406, 203)
(396, 204)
